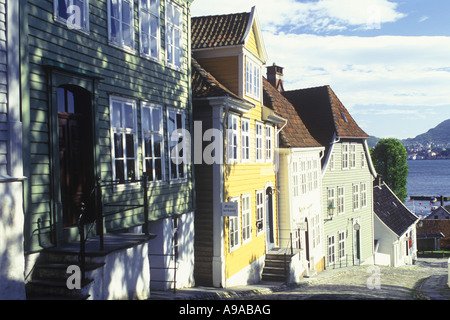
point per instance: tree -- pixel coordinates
(390, 160)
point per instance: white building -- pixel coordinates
(394, 229)
(12, 284)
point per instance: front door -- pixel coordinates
(270, 232)
(75, 151)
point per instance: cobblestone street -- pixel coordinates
(366, 282)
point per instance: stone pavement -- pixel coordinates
(426, 280)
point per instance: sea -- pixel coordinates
(427, 178)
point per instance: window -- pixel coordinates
(253, 80)
(340, 200)
(149, 29)
(355, 196)
(73, 13)
(344, 156)
(121, 23)
(363, 160)
(341, 245)
(331, 198)
(268, 143)
(153, 141)
(259, 142)
(233, 138)
(295, 178)
(124, 139)
(310, 176)
(353, 156)
(303, 177)
(332, 162)
(174, 31)
(233, 227)
(331, 249)
(260, 211)
(316, 173)
(363, 195)
(246, 219)
(177, 144)
(245, 134)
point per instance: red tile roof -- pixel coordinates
(295, 133)
(219, 30)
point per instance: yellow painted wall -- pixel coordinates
(252, 44)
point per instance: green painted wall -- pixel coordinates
(105, 70)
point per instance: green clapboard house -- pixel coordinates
(105, 97)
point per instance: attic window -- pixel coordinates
(344, 117)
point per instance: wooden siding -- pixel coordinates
(343, 222)
(224, 69)
(123, 74)
(252, 44)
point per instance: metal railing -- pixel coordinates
(100, 215)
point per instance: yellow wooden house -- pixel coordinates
(231, 241)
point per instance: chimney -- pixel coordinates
(275, 76)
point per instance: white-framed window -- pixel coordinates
(260, 211)
(149, 28)
(352, 156)
(174, 35)
(340, 200)
(121, 23)
(331, 250)
(363, 160)
(331, 198)
(259, 141)
(245, 135)
(310, 175)
(269, 147)
(332, 162)
(233, 138)
(124, 139)
(153, 141)
(341, 245)
(73, 13)
(295, 178)
(246, 218)
(253, 79)
(316, 173)
(363, 195)
(234, 229)
(345, 155)
(355, 192)
(303, 175)
(177, 144)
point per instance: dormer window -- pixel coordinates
(253, 80)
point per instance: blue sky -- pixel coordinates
(388, 61)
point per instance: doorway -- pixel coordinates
(270, 235)
(76, 152)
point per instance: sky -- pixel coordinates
(387, 61)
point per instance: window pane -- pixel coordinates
(118, 145)
(127, 35)
(115, 30)
(144, 4)
(131, 172)
(129, 119)
(61, 96)
(156, 117)
(120, 170)
(146, 123)
(62, 9)
(115, 12)
(157, 146)
(149, 169)
(154, 6)
(158, 169)
(148, 147)
(130, 145)
(179, 121)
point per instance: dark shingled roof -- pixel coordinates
(295, 133)
(324, 114)
(391, 210)
(219, 30)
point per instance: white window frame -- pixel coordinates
(252, 79)
(303, 174)
(332, 162)
(245, 137)
(355, 196)
(269, 143)
(345, 156)
(363, 160)
(341, 245)
(246, 203)
(295, 179)
(70, 22)
(177, 160)
(352, 148)
(331, 250)
(123, 130)
(259, 138)
(331, 197)
(233, 134)
(171, 30)
(148, 131)
(234, 229)
(146, 35)
(340, 207)
(363, 192)
(316, 173)
(260, 211)
(120, 42)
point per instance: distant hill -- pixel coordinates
(437, 135)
